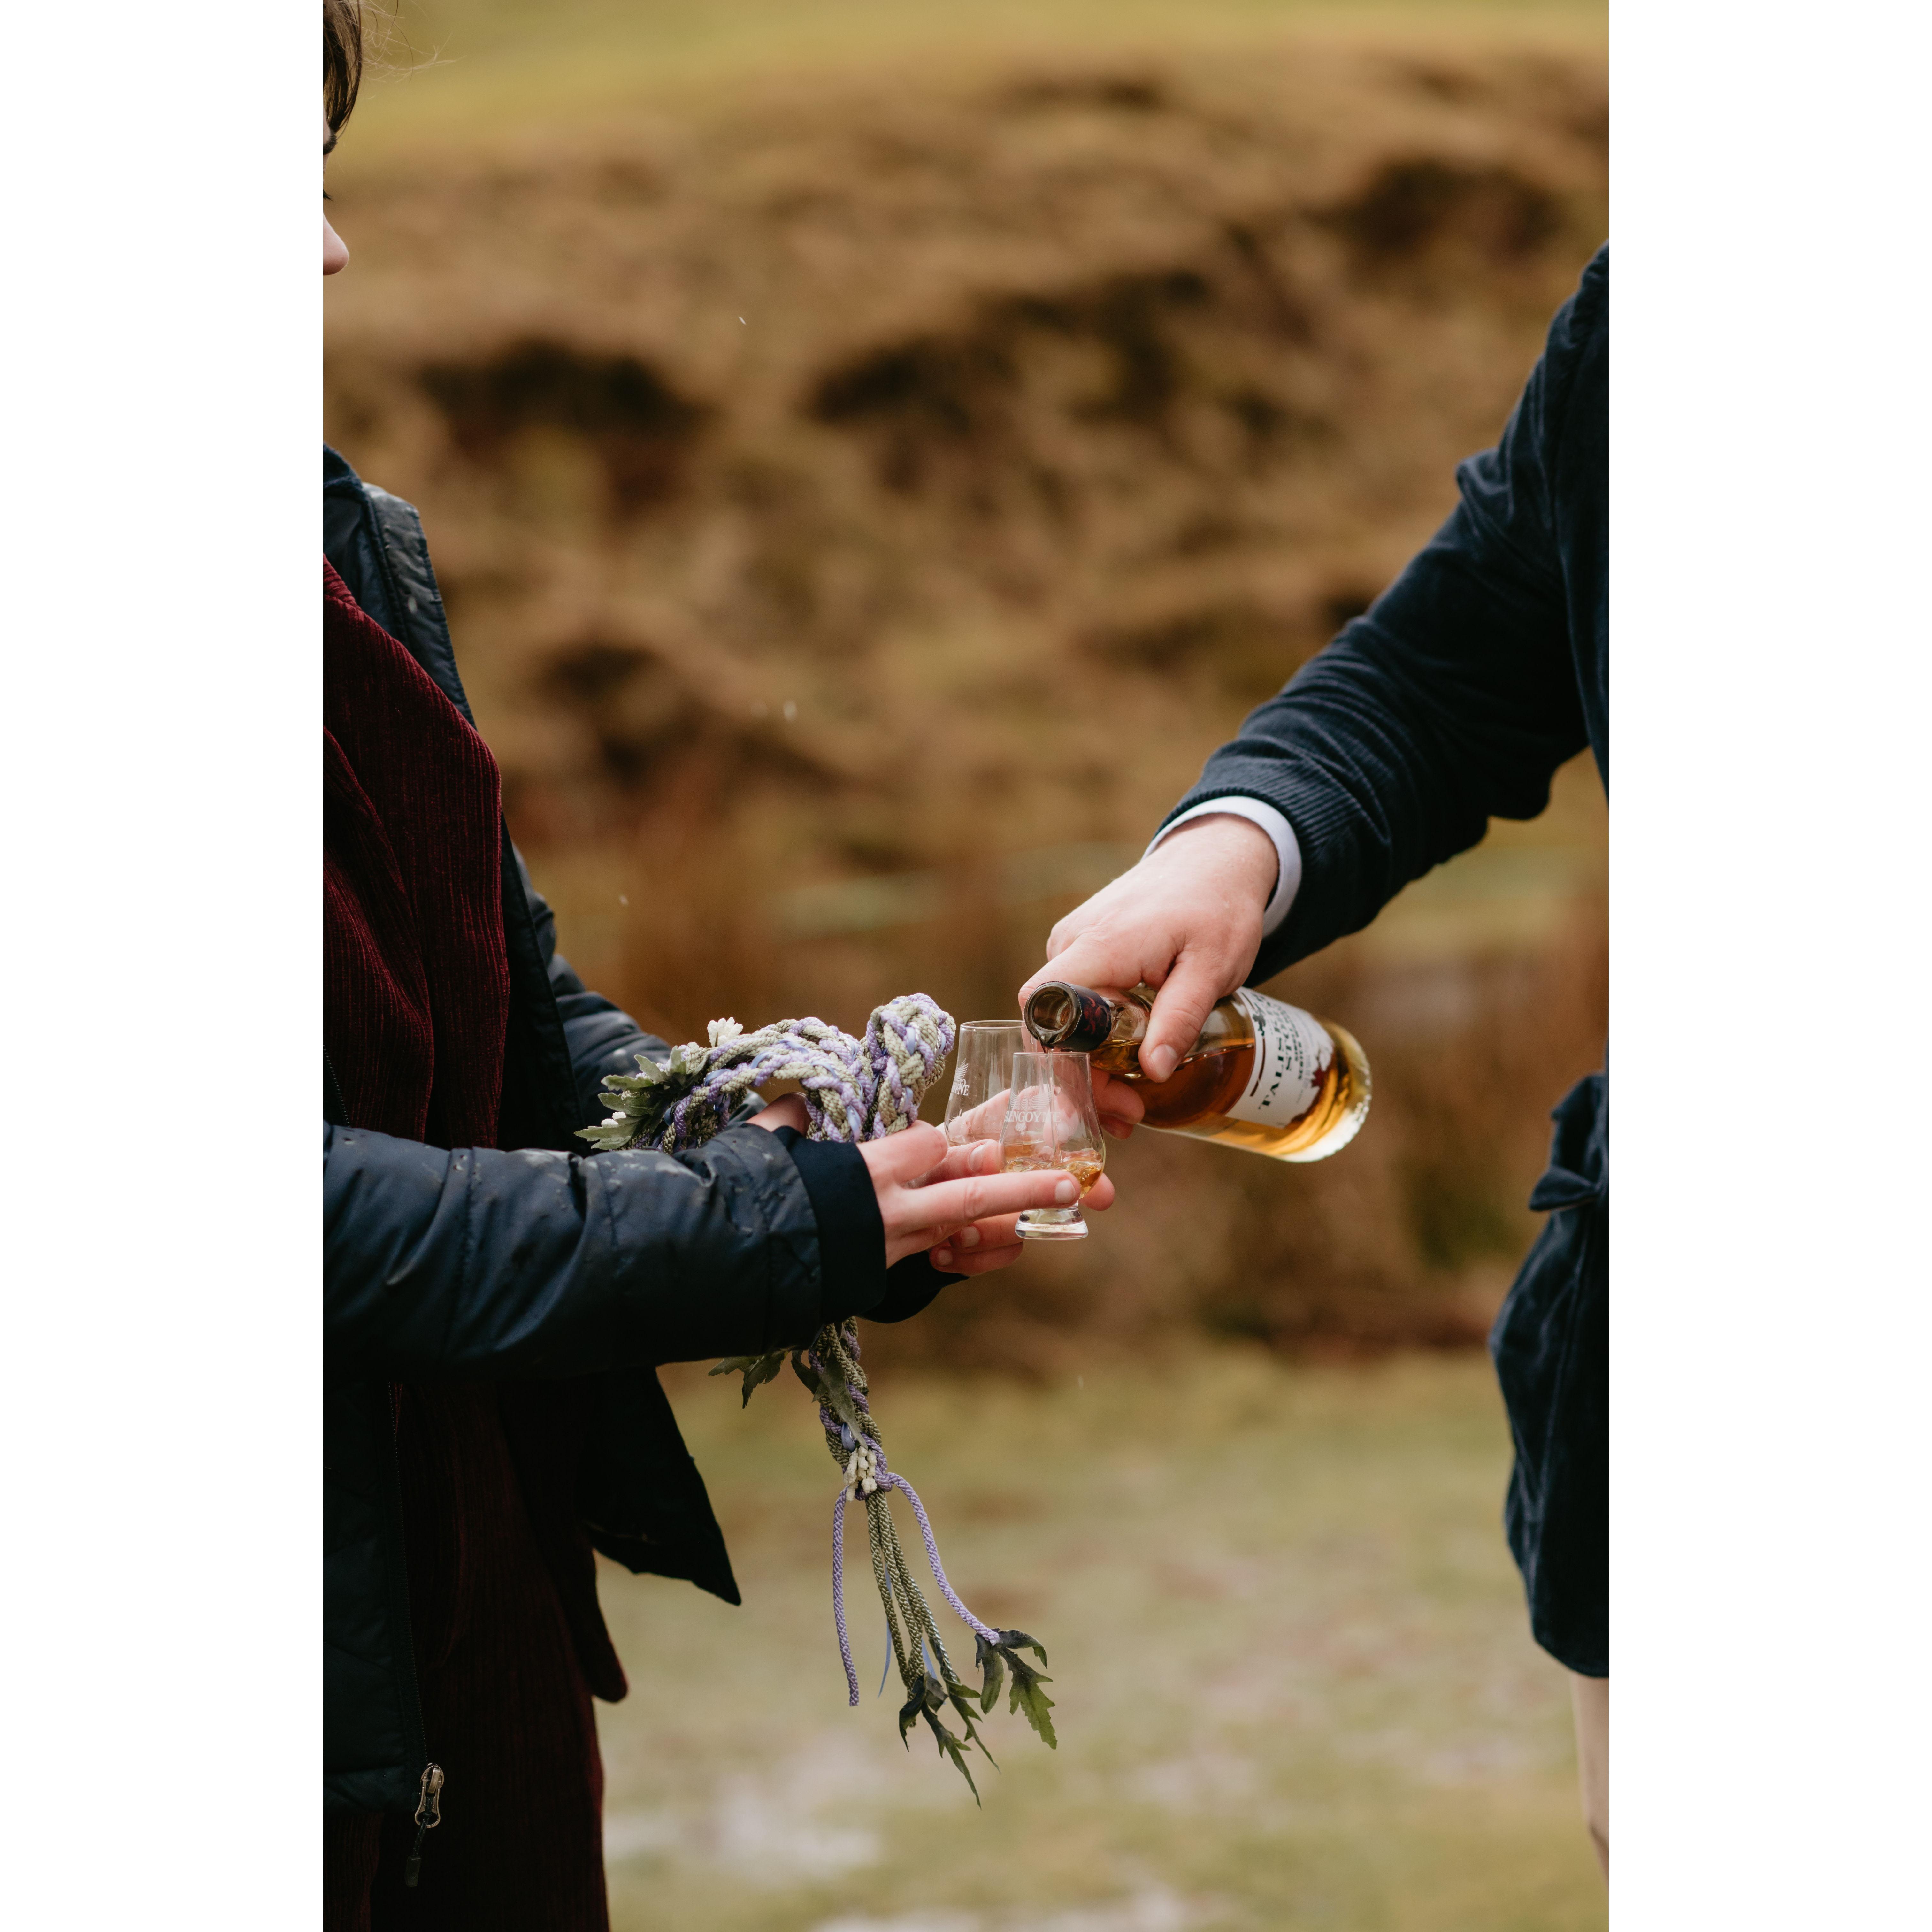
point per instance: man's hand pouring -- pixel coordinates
(1185, 921)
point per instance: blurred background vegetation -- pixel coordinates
(873, 451)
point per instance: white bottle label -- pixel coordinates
(1292, 1051)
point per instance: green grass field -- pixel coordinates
(1295, 1686)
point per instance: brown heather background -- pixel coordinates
(1094, 365)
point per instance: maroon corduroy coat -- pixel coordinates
(416, 989)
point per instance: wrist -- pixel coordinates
(1266, 818)
(1234, 848)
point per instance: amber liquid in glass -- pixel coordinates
(1032, 1160)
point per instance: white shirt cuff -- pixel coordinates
(1287, 850)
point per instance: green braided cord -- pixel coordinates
(889, 1555)
(875, 1535)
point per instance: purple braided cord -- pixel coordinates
(725, 1081)
(801, 1053)
(887, 1065)
(888, 1481)
(831, 1425)
(838, 1598)
(831, 1065)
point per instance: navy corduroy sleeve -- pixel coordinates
(1452, 700)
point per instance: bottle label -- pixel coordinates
(1293, 1050)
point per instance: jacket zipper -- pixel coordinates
(429, 1815)
(429, 1784)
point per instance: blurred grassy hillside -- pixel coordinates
(873, 453)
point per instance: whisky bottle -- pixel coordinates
(1263, 1075)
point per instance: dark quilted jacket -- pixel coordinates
(529, 1263)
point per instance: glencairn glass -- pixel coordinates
(982, 1078)
(1051, 1122)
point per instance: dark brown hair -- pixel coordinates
(341, 59)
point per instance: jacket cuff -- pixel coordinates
(851, 1237)
(1281, 835)
(911, 1285)
(1316, 808)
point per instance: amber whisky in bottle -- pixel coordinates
(1263, 1075)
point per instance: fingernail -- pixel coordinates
(942, 1258)
(1067, 1193)
(969, 1237)
(1159, 1061)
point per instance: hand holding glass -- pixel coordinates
(1051, 1122)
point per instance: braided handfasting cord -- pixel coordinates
(854, 1090)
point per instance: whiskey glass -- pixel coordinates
(983, 1078)
(1052, 1123)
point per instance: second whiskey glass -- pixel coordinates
(983, 1078)
(1051, 1122)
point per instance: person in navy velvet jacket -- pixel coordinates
(1453, 700)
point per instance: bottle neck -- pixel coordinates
(1076, 1019)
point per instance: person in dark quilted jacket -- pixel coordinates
(497, 1301)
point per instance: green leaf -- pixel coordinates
(961, 1696)
(760, 1372)
(757, 1370)
(949, 1747)
(993, 1672)
(910, 1712)
(1016, 1640)
(645, 1096)
(837, 1397)
(1029, 1698)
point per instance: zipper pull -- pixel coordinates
(429, 1815)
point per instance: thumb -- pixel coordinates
(1181, 1010)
